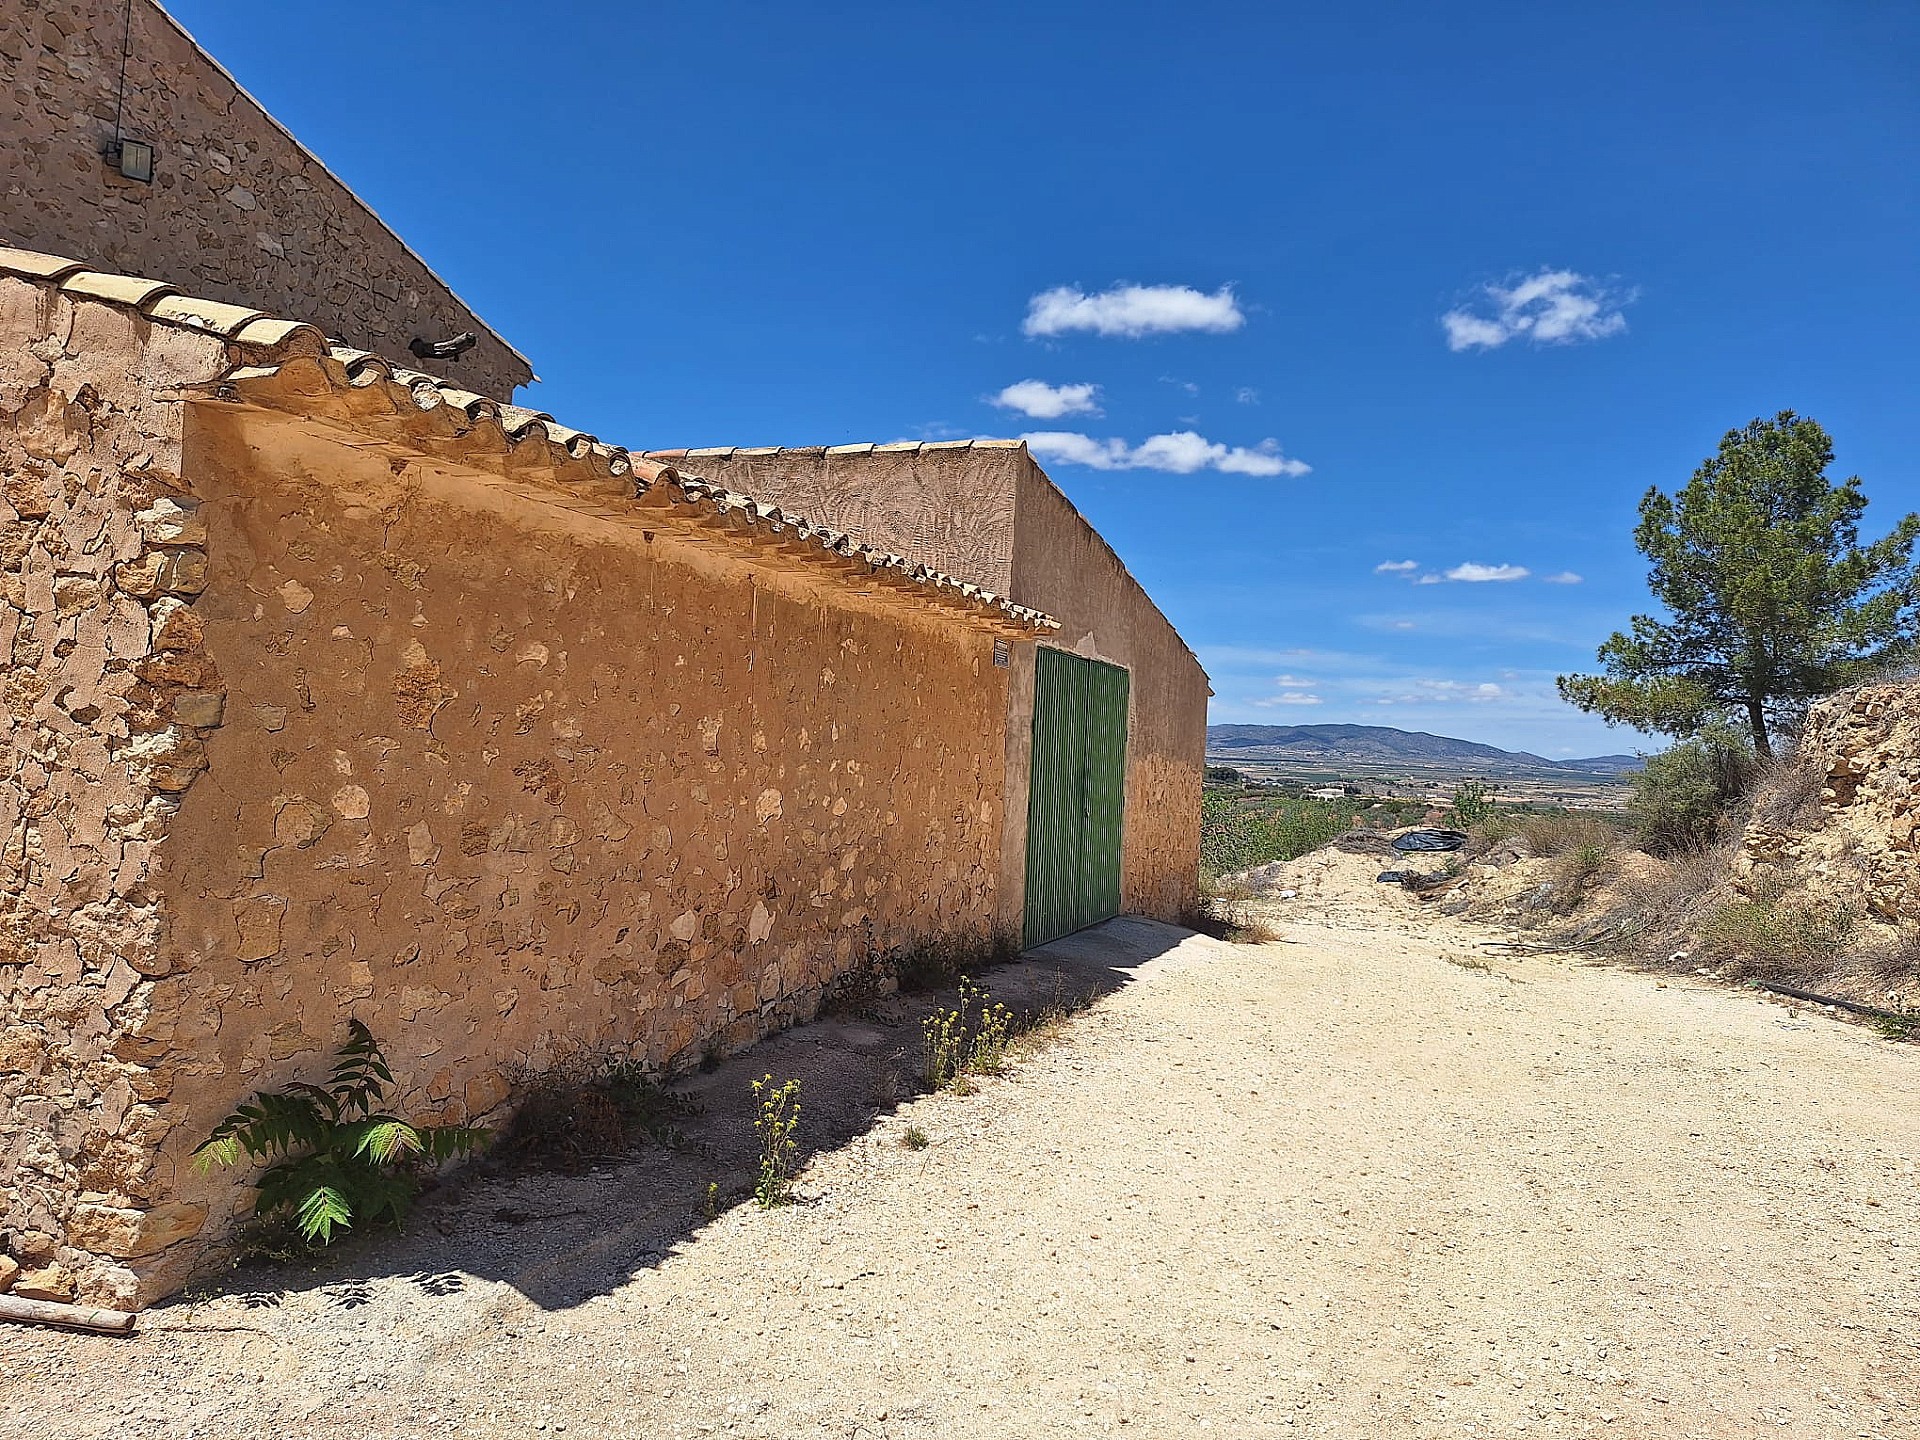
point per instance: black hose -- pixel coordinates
(1853, 1005)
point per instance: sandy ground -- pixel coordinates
(1341, 1185)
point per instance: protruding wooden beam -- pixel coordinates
(69, 1317)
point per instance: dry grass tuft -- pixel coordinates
(1578, 871)
(1669, 894)
(939, 962)
(1787, 795)
(1546, 836)
(1225, 910)
(1756, 938)
(585, 1109)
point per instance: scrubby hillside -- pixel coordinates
(1816, 886)
(1814, 882)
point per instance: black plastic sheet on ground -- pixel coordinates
(1416, 880)
(1429, 841)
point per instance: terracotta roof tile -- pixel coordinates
(157, 301)
(32, 265)
(891, 447)
(209, 315)
(126, 290)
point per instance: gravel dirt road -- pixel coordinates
(1348, 1184)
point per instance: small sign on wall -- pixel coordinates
(1002, 653)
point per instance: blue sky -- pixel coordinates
(759, 224)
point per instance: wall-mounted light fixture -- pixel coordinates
(132, 158)
(443, 349)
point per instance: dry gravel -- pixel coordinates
(1342, 1185)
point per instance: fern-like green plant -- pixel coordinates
(336, 1159)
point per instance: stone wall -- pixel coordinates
(1842, 816)
(947, 504)
(108, 700)
(304, 726)
(238, 210)
(984, 511)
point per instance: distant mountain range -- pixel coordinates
(1375, 746)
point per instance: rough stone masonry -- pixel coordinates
(329, 696)
(238, 210)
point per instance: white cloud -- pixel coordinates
(1550, 307)
(1189, 386)
(1181, 452)
(1291, 698)
(1131, 311)
(1041, 401)
(1474, 573)
(1565, 577)
(1294, 682)
(1447, 692)
(1395, 567)
(1247, 395)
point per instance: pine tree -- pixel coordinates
(1771, 600)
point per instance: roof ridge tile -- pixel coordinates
(255, 336)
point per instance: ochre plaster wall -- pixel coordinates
(302, 726)
(987, 513)
(506, 782)
(238, 210)
(947, 504)
(107, 702)
(1063, 567)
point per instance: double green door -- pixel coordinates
(1076, 800)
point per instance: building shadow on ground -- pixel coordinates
(561, 1239)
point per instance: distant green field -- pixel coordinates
(1241, 828)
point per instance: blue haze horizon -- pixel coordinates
(1359, 336)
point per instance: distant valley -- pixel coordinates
(1375, 745)
(1326, 753)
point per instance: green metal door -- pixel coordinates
(1056, 800)
(1076, 799)
(1106, 791)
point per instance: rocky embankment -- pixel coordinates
(1819, 887)
(1840, 819)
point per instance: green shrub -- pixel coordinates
(1472, 805)
(1685, 798)
(336, 1159)
(1236, 834)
